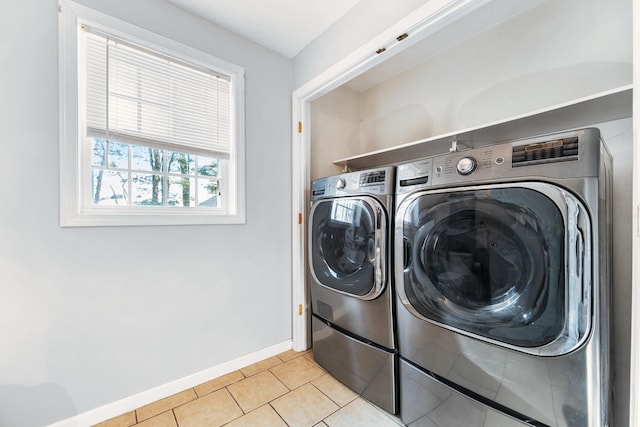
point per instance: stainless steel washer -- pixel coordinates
(503, 284)
(350, 282)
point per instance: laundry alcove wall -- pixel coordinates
(549, 66)
(553, 53)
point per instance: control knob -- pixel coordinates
(341, 183)
(466, 165)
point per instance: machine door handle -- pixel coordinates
(579, 254)
(579, 267)
(406, 252)
(379, 252)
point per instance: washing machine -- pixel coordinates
(350, 282)
(503, 284)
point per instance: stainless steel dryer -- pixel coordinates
(350, 282)
(503, 284)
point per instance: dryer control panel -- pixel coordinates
(477, 164)
(472, 165)
(570, 154)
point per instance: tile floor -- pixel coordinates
(289, 389)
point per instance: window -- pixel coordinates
(124, 175)
(152, 130)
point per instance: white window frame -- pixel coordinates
(75, 163)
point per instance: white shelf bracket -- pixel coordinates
(456, 146)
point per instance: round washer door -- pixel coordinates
(502, 263)
(347, 245)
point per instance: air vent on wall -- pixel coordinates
(557, 150)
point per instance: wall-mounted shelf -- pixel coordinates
(601, 107)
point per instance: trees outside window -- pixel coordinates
(134, 175)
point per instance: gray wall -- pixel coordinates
(89, 316)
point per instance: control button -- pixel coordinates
(341, 183)
(499, 160)
(466, 165)
(439, 169)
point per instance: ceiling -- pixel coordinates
(285, 26)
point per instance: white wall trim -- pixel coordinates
(299, 189)
(417, 25)
(130, 403)
(634, 392)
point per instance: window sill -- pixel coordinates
(91, 218)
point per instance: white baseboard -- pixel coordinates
(103, 413)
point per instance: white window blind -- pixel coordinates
(142, 97)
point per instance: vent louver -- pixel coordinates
(557, 150)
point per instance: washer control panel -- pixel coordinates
(377, 182)
(459, 167)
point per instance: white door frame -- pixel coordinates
(634, 398)
(417, 26)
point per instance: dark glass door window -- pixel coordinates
(343, 245)
(489, 262)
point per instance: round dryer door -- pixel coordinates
(491, 261)
(347, 245)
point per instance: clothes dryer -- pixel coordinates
(503, 284)
(350, 282)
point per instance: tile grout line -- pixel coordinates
(172, 409)
(289, 389)
(175, 417)
(235, 400)
(278, 413)
(329, 397)
(244, 377)
(310, 382)
(337, 404)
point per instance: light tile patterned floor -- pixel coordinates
(285, 390)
